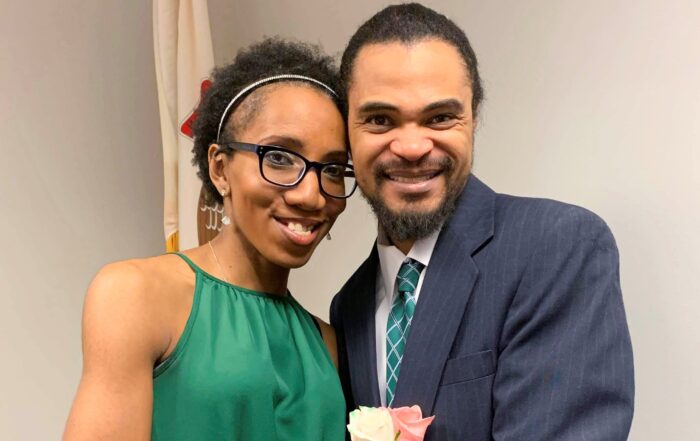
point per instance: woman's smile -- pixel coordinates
(301, 231)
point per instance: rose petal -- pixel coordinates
(410, 422)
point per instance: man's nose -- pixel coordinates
(411, 144)
(307, 193)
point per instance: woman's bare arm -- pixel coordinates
(122, 339)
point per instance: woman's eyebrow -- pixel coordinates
(287, 141)
(290, 142)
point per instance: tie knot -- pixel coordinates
(408, 276)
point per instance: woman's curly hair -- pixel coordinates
(272, 56)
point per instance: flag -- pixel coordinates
(184, 59)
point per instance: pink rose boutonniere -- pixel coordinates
(387, 424)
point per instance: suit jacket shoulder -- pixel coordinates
(537, 220)
(356, 286)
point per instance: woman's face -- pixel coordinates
(284, 225)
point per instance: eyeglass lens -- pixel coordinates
(286, 168)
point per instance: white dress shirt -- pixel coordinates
(390, 260)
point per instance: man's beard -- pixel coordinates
(411, 224)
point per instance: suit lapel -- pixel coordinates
(444, 296)
(360, 333)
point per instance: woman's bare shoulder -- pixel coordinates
(137, 287)
(129, 305)
(142, 277)
(329, 338)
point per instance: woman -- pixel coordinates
(208, 344)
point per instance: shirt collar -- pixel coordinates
(391, 258)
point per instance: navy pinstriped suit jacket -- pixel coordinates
(520, 331)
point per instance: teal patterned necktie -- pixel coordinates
(399, 323)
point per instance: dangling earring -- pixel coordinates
(225, 219)
(328, 236)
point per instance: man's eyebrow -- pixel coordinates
(336, 155)
(451, 104)
(377, 106)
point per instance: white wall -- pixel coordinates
(80, 185)
(596, 103)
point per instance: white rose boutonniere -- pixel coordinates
(371, 424)
(387, 424)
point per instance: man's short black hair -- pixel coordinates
(409, 23)
(272, 56)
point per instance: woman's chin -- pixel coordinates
(294, 258)
(292, 262)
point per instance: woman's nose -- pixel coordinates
(307, 193)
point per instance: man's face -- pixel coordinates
(411, 132)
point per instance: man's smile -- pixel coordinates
(412, 183)
(412, 176)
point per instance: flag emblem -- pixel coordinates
(187, 127)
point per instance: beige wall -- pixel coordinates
(596, 103)
(80, 185)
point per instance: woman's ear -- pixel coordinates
(217, 166)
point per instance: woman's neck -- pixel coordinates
(244, 266)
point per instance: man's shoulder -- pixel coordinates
(546, 217)
(366, 272)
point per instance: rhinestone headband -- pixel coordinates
(259, 83)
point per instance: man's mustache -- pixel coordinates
(383, 169)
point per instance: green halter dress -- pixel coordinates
(249, 366)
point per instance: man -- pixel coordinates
(502, 316)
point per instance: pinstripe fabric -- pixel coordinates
(520, 333)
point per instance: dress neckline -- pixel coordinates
(267, 295)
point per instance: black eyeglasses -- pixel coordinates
(286, 168)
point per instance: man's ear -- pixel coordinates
(217, 165)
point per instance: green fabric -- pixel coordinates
(249, 366)
(399, 323)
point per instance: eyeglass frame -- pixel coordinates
(262, 149)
